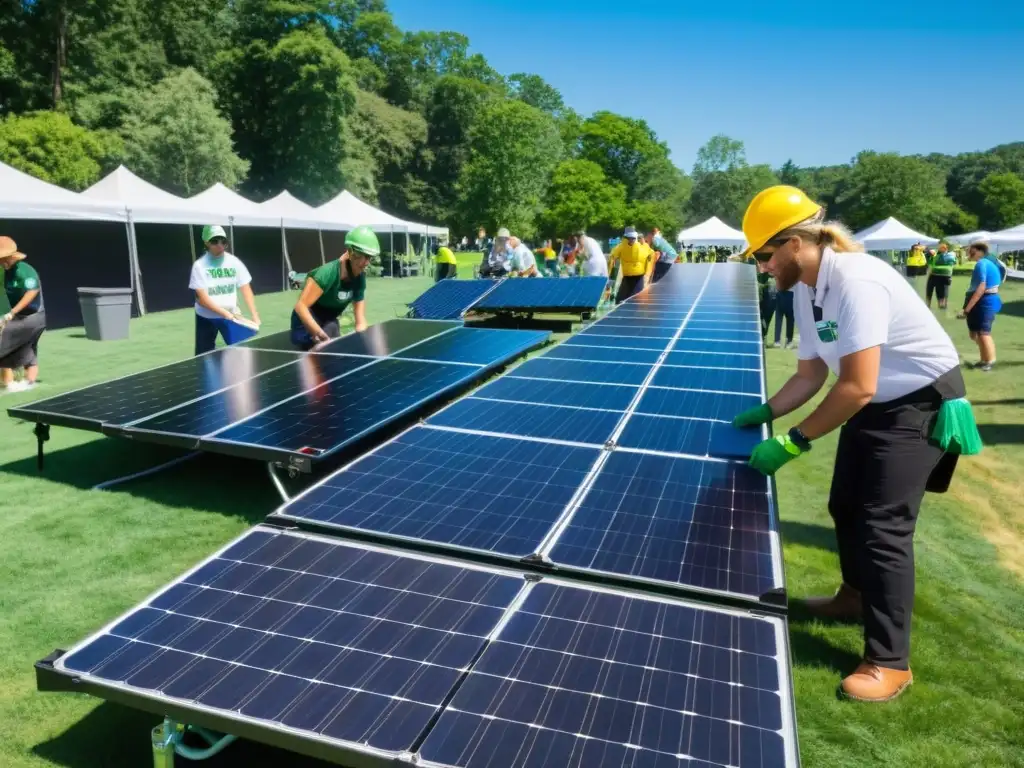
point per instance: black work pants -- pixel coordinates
(883, 465)
(660, 270)
(629, 286)
(766, 304)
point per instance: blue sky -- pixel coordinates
(812, 81)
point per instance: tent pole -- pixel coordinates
(323, 257)
(133, 257)
(231, 229)
(392, 250)
(286, 263)
(192, 242)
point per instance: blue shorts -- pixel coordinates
(980, 319)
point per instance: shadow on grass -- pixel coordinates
(1002, 434)
(1013, 308)
(1007, 401)
(113, 735)
(814, 651)
(809, 535)
(226, 485)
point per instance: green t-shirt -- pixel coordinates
(19, 280)
(339, 291)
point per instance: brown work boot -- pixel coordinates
(844, 605)
(871, 682)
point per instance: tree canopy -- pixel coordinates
(319, 95)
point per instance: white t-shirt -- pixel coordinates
(870, 304)
(594, 263)
(522, 259)
(220, 278)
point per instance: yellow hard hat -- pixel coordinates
(773, 210)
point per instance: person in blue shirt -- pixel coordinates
(982, 303)
(667, 255)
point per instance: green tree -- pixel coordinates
(662, 195)
(175, 137)
(288, 99)
(189, 29)
(514, 149)
(886, 184)
(570, 126)
(1004, 194)
(790, 174)
(619, 145)
(720, 153)
(536, 91)
(723, 182)
(580, 195)
(49, 146)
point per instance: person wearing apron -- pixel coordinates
(23, 325)
(899, 403)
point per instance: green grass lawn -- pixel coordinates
(74, 558)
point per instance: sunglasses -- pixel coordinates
(766, 256)
(219, 241)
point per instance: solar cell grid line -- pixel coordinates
(450, 299)
(601, 396)
(605, 328)
(581, 371)
(565, 423)
(631, 342)
(323, 642)
(471, 492)
(592, 677)
(602, 354)
(545, 294)
(138, 395)
(711, 360)
(477, 346)
(389, 337)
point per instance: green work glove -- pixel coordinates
(754, 417)
(771, 455)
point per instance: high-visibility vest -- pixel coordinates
(445, 256)
(634, 257)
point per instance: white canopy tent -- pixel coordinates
(891, 235)
(292, 212)
(1008, 239)
(26, 197)
(714, 231)
(145, 202)
(969, 237)
(220, 205)
(348, 207)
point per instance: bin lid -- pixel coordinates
(104, 291)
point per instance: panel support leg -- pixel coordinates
(168, 741)
(42, 433)
(165, 737)
(278, 485)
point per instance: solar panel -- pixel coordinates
(603, 354)
(476, 492)
(612, 397)
(450, 299)
(715, 379)
(590, 339)
(576, 294)
(694, 437)
(719, 406)
(608, 327)
(479, 346)
(342, 644)
(581, 371)
(579, 425)
(582, 677)
(387, 338)
(750, 362)
(139, 395)
(339, 412)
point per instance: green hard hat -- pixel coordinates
(363, 239)
(211, 231)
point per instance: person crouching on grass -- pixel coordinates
(20, 328)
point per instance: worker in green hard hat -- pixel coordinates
(331, 288)
(217, 278)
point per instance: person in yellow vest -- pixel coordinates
(635, 256)
(547, 254)
(445, 264)
(917, 262)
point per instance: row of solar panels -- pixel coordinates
(266, 401)
(451, 299)
(344, 650)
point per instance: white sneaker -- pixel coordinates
(17, 386)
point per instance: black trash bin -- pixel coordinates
(106, 312)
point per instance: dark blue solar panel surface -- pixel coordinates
(330, 639)
(720, 379)
(695, 523)
(626, 342)
(480, 346)
(387, 338)
(339, 412)
(705, 405)
(488, 493)
(582, 371)
(698, 438)
(729, 335)
(206, 416)
(712, 360)
(718, 347)
(554, 422)
(614, 397)
(577, 293)
(651, 323)
(449, 299)
(603, 354)
(606, 327)
(585, 679)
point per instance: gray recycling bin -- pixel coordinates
(106, 312)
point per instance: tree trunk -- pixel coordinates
(61, 54)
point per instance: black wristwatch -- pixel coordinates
(799, 439)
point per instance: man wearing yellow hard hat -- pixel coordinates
(899, 402)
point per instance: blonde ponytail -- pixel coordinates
(826, 233)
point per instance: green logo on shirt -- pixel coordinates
(31, 283)
(220, 290)
(344, 295)
(216, 273)
(828, 330)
